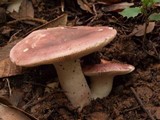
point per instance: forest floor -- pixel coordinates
(135, 96)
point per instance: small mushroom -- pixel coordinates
(62, 47)
(102, 75)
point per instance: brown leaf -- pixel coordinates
(14, 6)
(5, 101)
(117, 7)
(140, 29)
(26, 9)
(84, 6)
(12, 100)
(27, 114)
(16, 97)
(7, 68)
(51, 86)
(7, 113)
(4, 51)
(59, 21)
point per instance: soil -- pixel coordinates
(135, 96)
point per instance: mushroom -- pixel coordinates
(62, 47)
(102, 75)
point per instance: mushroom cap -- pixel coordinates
(59, 44)
(110, 68)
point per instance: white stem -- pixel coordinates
(101, 86)
(73, 83)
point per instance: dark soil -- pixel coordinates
(122, 104)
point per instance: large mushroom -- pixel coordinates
(62, 47)
(102, 75)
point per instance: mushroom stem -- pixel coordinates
(101, 86)
(73, 83)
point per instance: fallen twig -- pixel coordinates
(36, 102)
(131, 109)
(141, 104)
(27, 19)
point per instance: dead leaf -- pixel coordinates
(140, 29)
(59, 21)
(84, 5)
(27, 114)
(16, 97)
(7, 113)
(26, 9)
(51, 86)
(12, 100)
(5, 101)
(4, 51)
(14, 6)
(117, 7)
(6, 104)
(7, 68)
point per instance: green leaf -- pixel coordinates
(147, 3)
(154, 17)
(155, 1)
(130, 12)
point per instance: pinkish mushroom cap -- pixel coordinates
(110, 68)
(60, 44)
(63, 46)
(102, 76)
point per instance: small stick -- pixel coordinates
(27, 19)
(36, 102)
(141, 104)
(31, 103)
(9, 87)
(131, 109)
